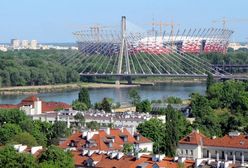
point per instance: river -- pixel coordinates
(158, 91)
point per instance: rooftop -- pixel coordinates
(232, 140)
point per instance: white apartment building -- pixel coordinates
(15, 43)
(230, 149)
(33, 44)
(25, 44)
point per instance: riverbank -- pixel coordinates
(154, 80)
(55, 88)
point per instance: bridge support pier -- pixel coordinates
(129, 80)
(118, 79)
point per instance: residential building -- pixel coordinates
(32, 105)
(119, 160)
(236, 46)
(36, 151)
(33, 44)
(15, 43)
(25, 44)
(106, 140)
(3, 48)
(230, 149)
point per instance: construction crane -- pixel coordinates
(95, 29)
(161, 24)
(224, 21)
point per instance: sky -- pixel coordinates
(55, 20)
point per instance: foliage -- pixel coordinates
(210, 81)
(13, 116)
(84, 97)
(222, 110)
(80, 106)
(59, 130)
(24, 138)
(127, 148)
(134, 96)
(106, 104)
(34, 67)
(144, 106)
(200, 105)
(166, 135)
(79, 117)
(9, 158)
(173, 100)
(8, 131)
(16, 123)
(56, 156)
(154, 129)
(93, 125)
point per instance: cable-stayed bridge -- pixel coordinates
(129, 53)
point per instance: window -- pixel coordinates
(191, 152)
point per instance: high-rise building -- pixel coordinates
(15, 43)
(33, 44)
(25, 44)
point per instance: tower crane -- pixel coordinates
(161, 24)
(224, 21)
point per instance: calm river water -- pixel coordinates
(157, 91)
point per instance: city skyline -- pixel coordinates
(55, 21)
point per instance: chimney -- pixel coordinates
(35, 149)
(22, 148)
(108, 131)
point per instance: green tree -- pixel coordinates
(173, 100)
(56, 156)
(106, 105)
(200, 105)
(84, 97)
(172, 131)
(154, 129)
(12, 116)
(9, 158)
(77, 105)
(24, 138)
(59, 130)
(93, 125)
(127, 148)
(8, 131)
(210, 81)
(144, 106)
(134, 96)
(79, 117)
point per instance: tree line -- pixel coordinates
(34, 67)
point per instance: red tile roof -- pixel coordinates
(104, 161)
(102, 140)
(8, 106)
(240, 141)
(46, 106)
(76, 137)
(51, 106)
(196, 138)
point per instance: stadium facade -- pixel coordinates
(196, 41)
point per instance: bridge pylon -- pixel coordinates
(123, 52)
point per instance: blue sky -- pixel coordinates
(55, 20)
